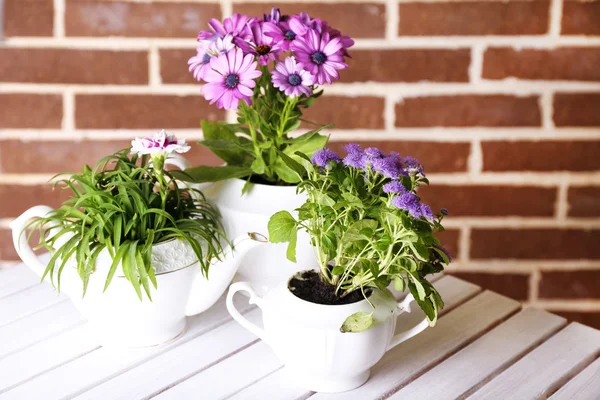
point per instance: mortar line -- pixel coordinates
(59, 19)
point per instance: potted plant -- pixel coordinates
(268, 70)
(127, 232)
(369, 229)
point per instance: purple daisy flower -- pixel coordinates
(426, 212)
(291, 79)
(236, 25)
(408, 201)
(394, 187)
(230, 79)
(319, 55)
(201, 61)
(259, 44)
(274, 16)
(282, 33)
(323, 157)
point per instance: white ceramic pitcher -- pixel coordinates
(307, 338)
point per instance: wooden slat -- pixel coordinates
(276, 386)
(15, 279)
(410, 359)
(217, 383)
(38, 326)
(454, 291)
(547, 367)
(186, 360)
(27, 302)
(487, 356)
(585, 386)
(94, 368)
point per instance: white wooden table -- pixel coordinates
(484, 346)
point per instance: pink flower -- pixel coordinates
(282, 33)
(291, 79)
(320, 55)
(201, 61)
(236, 25)
(162, 144)
(230, 79)
(259, 45)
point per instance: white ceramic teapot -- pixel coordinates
(307, 338)
(117, 316)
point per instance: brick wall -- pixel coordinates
(499, 99)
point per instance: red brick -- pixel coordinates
(36, 111)
(535, 243)
(450, 241)
(18, 198)
(70, 156)
(408, 65)
(473, 18)
(541, 156)
(581, 18)
(567, 63)
(174, 66)
(583, 284)
(468, 110)
(491, 201)
(347, 112)
(358, 20)
(577, 109)
(73, 66)
(143, 112)
(7, 249)
(120, 18)
(587, 318)
(584, 201)
(453, 158)
(512, 285)
(28, 18)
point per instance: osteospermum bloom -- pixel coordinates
(201, 61)
(283, 34)
(319, 55)
(259, 44)
(394, 187)
(230, 79)
(274, 16)
(291, 79)
(323, 157)
(410, 202)
(161, 144)
(236, 26)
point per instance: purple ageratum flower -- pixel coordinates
(319, 55)
(412, 166)
(236, 26)
(386, 166)
(259, 44)
(355, 156)
(408, 201)
(373, 152)
(201, 61)
(291, 79)
(394, 187)
(230, 79)
(444, 211)
(426, 212)
(323, 157)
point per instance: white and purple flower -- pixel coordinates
(230, 79)
(207, 50)
(162, 144)
(291, 79)
(320, 55)
(236, 26)
(259, 44)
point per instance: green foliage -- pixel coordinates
(357, 322)
(258, 142)
(361, 239)
(125, 205)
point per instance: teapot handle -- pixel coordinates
(254, 299)
(20, 239)
(404, 306)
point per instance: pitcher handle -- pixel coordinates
(404, 306)
(20, 238)
(254, 299)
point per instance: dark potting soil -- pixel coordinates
(257, 179)
(310, 287)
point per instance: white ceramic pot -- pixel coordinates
(306, 336)
(117, 317)
(265, 266)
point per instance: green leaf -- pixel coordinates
(222, 131)
(399, 284)
(306, 145)
(258, 166)
(357, 322)
(291, 249)
(292, 164)
(285, 173)
(204, 173)
(282, 226)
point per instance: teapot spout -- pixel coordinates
(205, 292)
